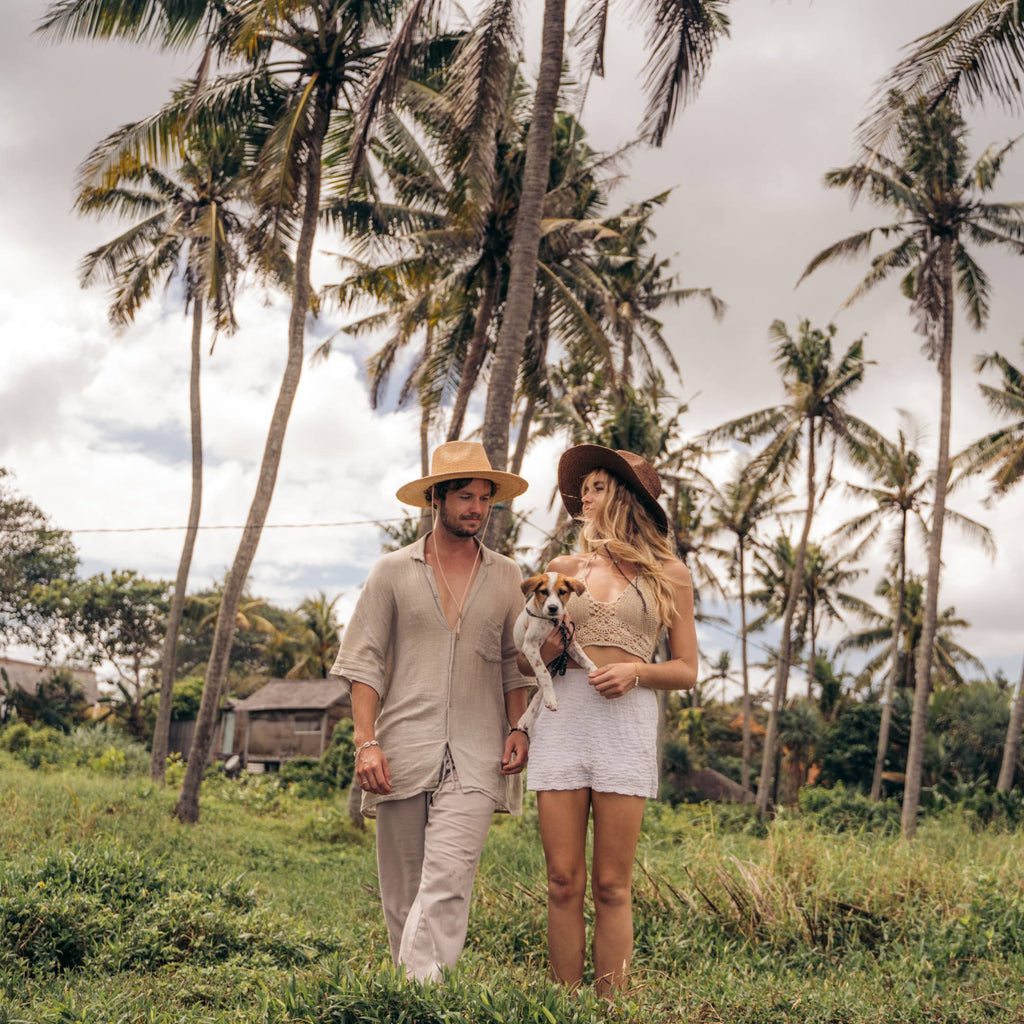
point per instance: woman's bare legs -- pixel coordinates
(563, 832)
(617, 821)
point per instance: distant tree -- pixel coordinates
(316, 637)
(978, 54)
(816, 409)
(117, 620)
(33, 553)
(939, 204)
(58, 701)
(950, 657)
(801, 731)
(1002, 453)
(187, 225)
(739, 507)
(971, 721)
(900, 495)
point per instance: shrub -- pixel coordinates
(839, 809)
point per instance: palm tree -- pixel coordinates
(818, 393)
(939, 209)
(899, 495)
(739, 507)
(1002, 453)
(801, 732)
(186, 224)
(821, 595)
(317, 638)
(682, 34)
(976, 54)
(949, 655)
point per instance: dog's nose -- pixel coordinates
(552, 607)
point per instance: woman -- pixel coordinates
(597, 755)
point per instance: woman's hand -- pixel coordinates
(615, 680)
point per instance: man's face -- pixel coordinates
(463, 511)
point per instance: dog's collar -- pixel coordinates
(534, 615)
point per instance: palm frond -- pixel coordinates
(681, 37)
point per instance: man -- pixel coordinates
(429, 656)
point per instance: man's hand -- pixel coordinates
(372, 772)
(517, 753)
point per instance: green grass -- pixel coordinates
(267, 912)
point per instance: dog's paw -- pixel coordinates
(552, 703)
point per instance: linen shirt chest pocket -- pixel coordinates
(488, 645)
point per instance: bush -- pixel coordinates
(316, 779)
(103, 908)
(847, 810)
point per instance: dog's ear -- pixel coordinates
(531, 584)
(576, 586)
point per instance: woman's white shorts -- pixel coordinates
(591, 742)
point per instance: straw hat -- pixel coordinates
(460, 460)
(633, 470)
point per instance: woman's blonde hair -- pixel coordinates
(622, 527)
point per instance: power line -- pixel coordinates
(168, 529)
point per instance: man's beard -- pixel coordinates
(458, 529)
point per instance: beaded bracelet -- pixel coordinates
(516, 728)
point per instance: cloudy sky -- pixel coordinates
(94, 425)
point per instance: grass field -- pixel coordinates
(267, 911)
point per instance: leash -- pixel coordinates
(560, 665)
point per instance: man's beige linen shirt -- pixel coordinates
(437, 688)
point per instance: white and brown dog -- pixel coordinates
(546, 597)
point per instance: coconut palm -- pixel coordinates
(939, 205)
(818, 394)
(1002, 454)
(977, 54)
(949, 654)
(899, 495)
(292, 61)
(681, 35)
(739, 507)
(187, 224)
(822, 597)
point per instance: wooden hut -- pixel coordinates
(289, 718)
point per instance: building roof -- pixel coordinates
(27, 675)
(296, 695)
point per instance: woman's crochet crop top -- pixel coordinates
(629, 622)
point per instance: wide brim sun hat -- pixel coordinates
(460, 460)
(633, 470)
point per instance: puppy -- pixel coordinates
(547, 595)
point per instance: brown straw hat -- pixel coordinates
(460, 460)
(633, 470)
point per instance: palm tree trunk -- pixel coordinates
(890, 682)
(925, 653)
(1011, 749)
(474, 356)
(187, 808)
(745, 768)
(515, 323)
(812, 665)
(766, 782)
(425, 411)
(523, 437)
(169, 659)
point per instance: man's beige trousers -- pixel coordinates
(428, 848)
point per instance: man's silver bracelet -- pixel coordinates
(368, 743)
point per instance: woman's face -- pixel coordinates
(595, 490)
